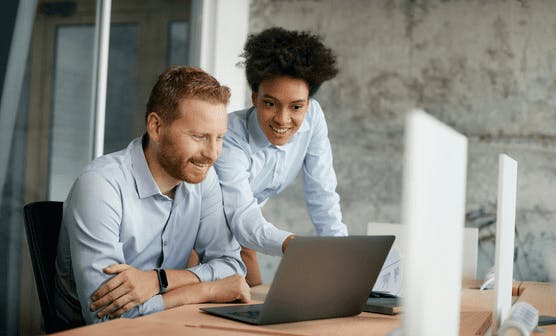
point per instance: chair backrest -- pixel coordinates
(42, 224)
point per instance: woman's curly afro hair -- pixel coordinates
(280, 52)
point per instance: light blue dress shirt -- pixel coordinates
(251, 170)
(116, 214)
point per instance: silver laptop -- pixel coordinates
(318, 277)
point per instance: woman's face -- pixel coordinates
(281, 106)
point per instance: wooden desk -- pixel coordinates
(138, 326)
(475, 320)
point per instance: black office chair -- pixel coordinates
(42, 224)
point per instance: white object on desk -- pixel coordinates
(505, 234)
(470, 252)
(434, 183)
(522, 320)
(390, 278)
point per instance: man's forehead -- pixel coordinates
(203, 117)
(201, 108)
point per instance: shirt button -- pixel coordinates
(165, 243)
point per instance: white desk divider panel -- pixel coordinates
(433, 203)
(505, 234)
(470, 252)
(470, 244)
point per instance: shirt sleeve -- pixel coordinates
(319, 181)
(92, 217)
(218, 250)
(242, 211)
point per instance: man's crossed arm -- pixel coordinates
(131, 287)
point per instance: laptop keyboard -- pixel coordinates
(251, 314)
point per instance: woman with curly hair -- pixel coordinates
(283, 133)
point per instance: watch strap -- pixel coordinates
(162, 280)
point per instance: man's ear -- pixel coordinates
(254, 98)
(154, 124)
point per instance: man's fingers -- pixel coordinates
(109, 286)
(115, 268)
(245, 292)
(124, 309)
(114, 306)
(245, 297)
(101, 301)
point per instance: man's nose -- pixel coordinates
(211, 150)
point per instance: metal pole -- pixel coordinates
(100, 74)
(13, 81)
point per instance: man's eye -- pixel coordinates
(268, 104)
(199, 137)
(297, 107)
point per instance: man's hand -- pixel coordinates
(128, 289)
(232, 288)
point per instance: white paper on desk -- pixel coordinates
(390, 277)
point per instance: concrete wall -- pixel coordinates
(487, 68)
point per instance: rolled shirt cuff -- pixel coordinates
(274, 241)
(152, 305)
(204, 272)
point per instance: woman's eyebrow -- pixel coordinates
(301, 100)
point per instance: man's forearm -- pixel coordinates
(232, 288)
(179, 278)
(109, 301)
(187, 294)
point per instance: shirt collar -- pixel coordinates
(144, 181)
(257, 138)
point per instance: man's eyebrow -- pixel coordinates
(204, 132)
(192, 131)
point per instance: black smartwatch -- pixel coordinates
(162, 280)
